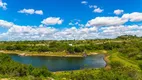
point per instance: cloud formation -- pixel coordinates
(133, 17)
(118, 11)
(76, 22)
(92, 6)
(18, 32)
(52, 21)
(114, 21)
(98, 10)
(40, 12)
(3, 5)
(84, 2)
(95, 7)
(99, 27)
(31, 11)
(5, 24)
(106, 21)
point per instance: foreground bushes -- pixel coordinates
(120, 73)
(9, 67)
(140, 65)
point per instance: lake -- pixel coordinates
(62, 63)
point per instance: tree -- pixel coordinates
(70, 50)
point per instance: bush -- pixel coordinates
(78, 49)
(140, 65)
(70, 49)
(9, 67)
(139, 57)
(115, 64)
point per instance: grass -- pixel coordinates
(115, 56)
(63, 74)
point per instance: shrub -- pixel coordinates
(140, 65)
(9, 67)
(115, 64)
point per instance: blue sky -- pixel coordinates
(69, 19)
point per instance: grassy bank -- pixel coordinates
(52, 54)
(118, 67)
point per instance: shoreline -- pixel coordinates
(47, 54)
(106, 59)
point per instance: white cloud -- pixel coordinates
(76, 22)
(31, 11)
(106, 21)
(71, 24)
(99, 27)
(17, 32)
(40, 12)
(3, 5)
(30, 30)
(52, 21)
(113, 21)
(92, 6)
(81, 25)
(5, 24)
(133, 17)
(74, 33)
(84, 2)
(114, 31)
(27, 11)
(98, 10)
(118, 11)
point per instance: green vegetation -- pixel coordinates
(123, 56)
(72, 47)
(13, 69)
